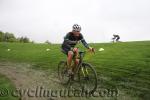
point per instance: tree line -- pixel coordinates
(10, 37)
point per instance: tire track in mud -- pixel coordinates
(25, 78)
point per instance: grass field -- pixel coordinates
(5, 87)
(125, 66)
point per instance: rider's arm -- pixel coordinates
(84, 42)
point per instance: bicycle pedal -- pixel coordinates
(72, 77)
(86, 78)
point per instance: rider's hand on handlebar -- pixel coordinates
(91, 49)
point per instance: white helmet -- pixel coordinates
(76, 28)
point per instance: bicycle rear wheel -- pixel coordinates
(62, 72)
(87, 77)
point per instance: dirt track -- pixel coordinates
(24, 77)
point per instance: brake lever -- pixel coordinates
(93, 50)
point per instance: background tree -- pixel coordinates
(1, 36)
(10, 37)
(48, 42)
(26, 40)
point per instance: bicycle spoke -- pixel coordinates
(62, 72)
(88, 77)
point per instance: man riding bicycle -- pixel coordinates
(115, 38)
(70, 40)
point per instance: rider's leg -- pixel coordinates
(76, 61)
(69, 59)
(113, 40)
(117, 39)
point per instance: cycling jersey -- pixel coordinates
(70, 40)
(117, 36)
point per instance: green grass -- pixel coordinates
(32, 53)
(6, 87)
(125, 66)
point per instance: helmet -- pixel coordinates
(114, 34)
(76, 28)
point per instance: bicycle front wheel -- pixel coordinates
(62, 72)
(87, 77)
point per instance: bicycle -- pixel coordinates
(86, 74)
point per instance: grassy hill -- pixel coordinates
(125, 66)
(5, 87)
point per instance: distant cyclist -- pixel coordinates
(70, 40)
(115, 38)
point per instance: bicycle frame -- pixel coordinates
(81, 55)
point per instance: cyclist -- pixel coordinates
(116, 37)
(70, 40)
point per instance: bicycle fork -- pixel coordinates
(84, 71)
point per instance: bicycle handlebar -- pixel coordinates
(83, 52)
